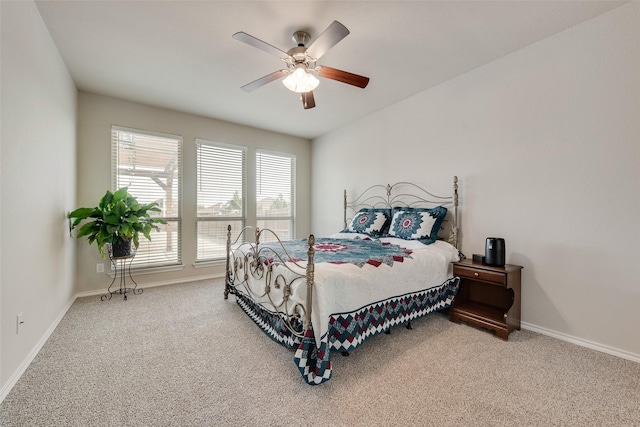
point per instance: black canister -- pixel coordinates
(494, 251)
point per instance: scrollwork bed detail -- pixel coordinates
(258, 264)
(278, 289)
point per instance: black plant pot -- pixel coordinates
(121, 249)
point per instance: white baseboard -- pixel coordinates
(154, 284)
(582, 342)
(6, 388)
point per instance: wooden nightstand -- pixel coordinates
(489, 296)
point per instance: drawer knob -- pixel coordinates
(475, 274)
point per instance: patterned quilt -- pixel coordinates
(362, 287)
(342, 251)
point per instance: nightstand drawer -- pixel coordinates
(478, 274)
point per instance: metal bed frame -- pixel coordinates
(259, 261)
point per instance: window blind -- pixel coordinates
(221, 184)
(150, 165)
(275, 193)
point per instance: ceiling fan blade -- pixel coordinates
(264, 80)
(252, 41)
(343, 76)
(308, 101)
(329, 38)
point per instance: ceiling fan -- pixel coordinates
(299, 76)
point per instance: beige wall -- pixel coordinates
(546, 142)
(96, 116)
(37, 187)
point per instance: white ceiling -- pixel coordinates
(180, 54)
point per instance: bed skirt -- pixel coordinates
(347, 330)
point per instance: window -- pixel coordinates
(275, 190)
(221, 175)
(149, 164)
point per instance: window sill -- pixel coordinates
(206, 264)
(151, 270)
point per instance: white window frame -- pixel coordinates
(203, 259)
(138, 262)
(292, 217)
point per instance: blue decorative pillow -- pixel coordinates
(417, 223)
(387, 214)
(369, 221)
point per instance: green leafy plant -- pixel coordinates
(118, 219)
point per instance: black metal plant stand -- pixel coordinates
(122, 265)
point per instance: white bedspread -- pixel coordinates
(340, 288)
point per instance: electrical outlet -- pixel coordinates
(19, 323)
(100, 268)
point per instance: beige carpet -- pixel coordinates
(183, 356)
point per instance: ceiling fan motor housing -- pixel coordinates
(298, 53)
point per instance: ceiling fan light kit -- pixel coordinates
(300, 80)
(301, 63)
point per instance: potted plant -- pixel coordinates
(117, 220)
